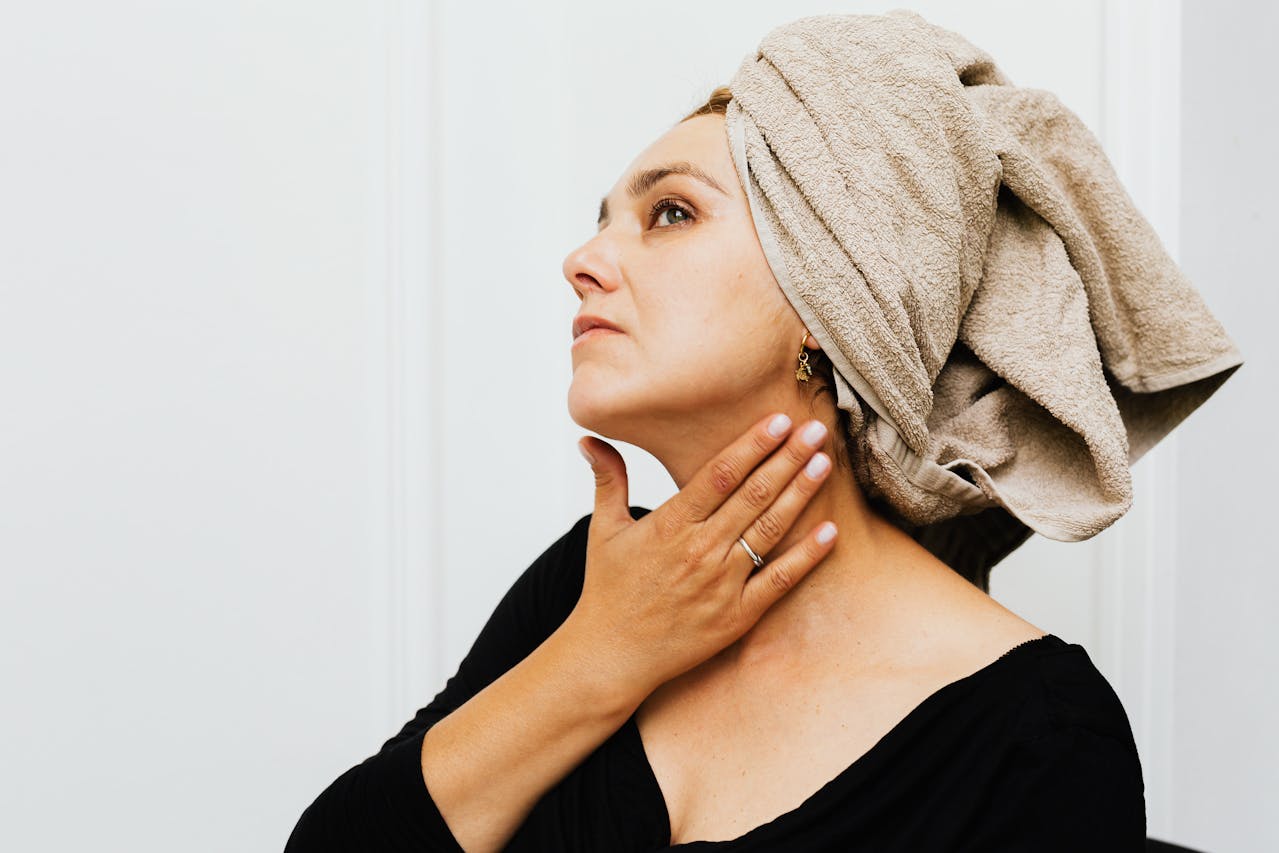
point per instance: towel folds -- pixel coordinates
(1008, 333)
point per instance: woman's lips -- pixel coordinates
(597, 332)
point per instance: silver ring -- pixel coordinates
(755, 558)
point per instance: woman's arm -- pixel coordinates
(489, 762)
(383, 803)
(548, 681)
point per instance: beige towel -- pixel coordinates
(1008, 333)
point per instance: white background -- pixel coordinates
(284, 356)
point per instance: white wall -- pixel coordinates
(189, 377)
(1226, 753)
(284, 357)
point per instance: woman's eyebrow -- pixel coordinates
(643, 181)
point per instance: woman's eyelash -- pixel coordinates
(667, 204)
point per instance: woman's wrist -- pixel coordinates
(598, 673)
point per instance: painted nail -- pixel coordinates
(814, 433)
(778, 425)
(817, 465)
(826, 533)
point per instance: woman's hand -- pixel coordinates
(667, 591)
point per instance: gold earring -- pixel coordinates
(803, 371)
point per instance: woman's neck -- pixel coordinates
(844, 595)
(862, 592)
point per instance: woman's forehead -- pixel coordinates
(696, 148)
(701, 142)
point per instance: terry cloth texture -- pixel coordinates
(1008, 332)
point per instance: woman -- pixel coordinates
(870, 626)
(722, 671)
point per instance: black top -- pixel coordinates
(1031, 752)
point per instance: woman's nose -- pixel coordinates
(591, 267)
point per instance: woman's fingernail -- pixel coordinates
(588, 457)
(826, 533)
(817, 466)
(778, 425)
(814, 433)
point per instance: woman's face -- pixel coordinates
(708, 338)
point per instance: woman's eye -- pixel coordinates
(667, 205)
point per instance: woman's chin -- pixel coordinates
(593, 406)
(586, 406)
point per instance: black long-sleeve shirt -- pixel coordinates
(1032, 752)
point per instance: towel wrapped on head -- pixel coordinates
(1007, 332)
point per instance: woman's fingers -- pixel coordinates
(664, 591)
(771, 524)
(612, 490)
(717, 480)
(754, 503)
(779, 575)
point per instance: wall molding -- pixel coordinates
(404, 320)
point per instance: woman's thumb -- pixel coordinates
(611, 492)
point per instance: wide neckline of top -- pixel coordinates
(631, 736)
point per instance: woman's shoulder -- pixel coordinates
(1051, 681)
(1069, 759)
(1059, 688)
(1045, 739)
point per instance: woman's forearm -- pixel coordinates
(489, 761)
